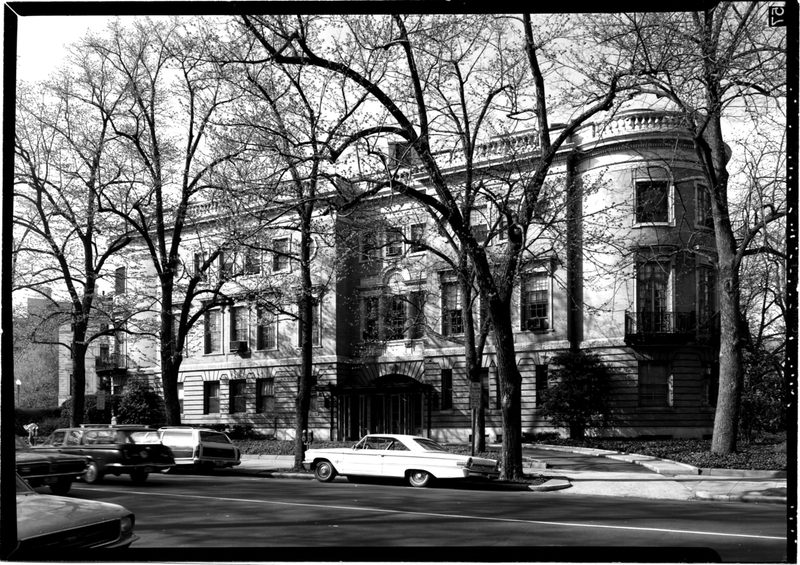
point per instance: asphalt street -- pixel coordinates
(205, 517)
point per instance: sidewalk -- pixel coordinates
(595, 472)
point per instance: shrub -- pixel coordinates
(91, 414)
(579, 397)
(763, 409)
(140, 404)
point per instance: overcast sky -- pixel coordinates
(42, 42)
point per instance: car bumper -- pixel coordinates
(119, 468)
(472, 473)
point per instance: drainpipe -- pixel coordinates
(574, 259)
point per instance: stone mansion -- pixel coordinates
(621, 262)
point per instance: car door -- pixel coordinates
(395, 459)
(366, 457)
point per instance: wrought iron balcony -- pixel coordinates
(662, 327)
(109, 363)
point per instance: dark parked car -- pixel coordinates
(113, 449)
(55, 526)
(56, 470)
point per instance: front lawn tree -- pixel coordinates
(66, 161)
(407, 65)
(174, 93)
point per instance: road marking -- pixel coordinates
(456, 516)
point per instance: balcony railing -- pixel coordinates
(668, 327)
(109, 363)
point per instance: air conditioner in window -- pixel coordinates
(239, 346)
(538, 323)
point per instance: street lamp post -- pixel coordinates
(19, 384)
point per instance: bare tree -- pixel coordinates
(395, 60)
(173, 93)
(66, 163)
(718, 66)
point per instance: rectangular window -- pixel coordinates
(478, 223)
(237, 398)
(280, 254)
(371, 316)
(180, 396)
(394, 243)
(417, 238)
(395, 317)
(417, 321)
(199, 260)
(535, 302)
(452, 316)
(266, 329)
(252, 262)
(447, 389)
(226, 262)
(706, 294)
(211, 328)
(316, 334)
(704, 216)
(120, 276)
(652, 201)
(211, 397)
(239, 324)
(541, 383)
(653, 384)
(265, 396)
(652, 287)
(370, 249)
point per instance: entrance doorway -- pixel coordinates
(391, 404)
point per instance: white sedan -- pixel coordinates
(417, 459)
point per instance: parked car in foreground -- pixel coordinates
(202, 447)
(127, 449)
(417, 459)
(52, 526)
(56, 470)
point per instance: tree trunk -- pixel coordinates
(306, 312)
(510, 394)
(170, 360)
(78, 378)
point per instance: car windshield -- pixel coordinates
(429, 445)
(22, 487)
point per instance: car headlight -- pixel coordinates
(126, 525)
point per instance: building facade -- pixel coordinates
(620, 261)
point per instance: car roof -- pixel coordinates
(397, 436)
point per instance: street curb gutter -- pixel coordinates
(552, 484)
(740, 498)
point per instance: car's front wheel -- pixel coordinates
(92, 474)
(324, 471)
(419, 478)
(138, 476)
(62, 486)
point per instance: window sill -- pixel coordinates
(668, 224)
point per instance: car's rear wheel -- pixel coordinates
(61, 486)
(324, 471)
(419, 478)
(138, 476)
(92, 474)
